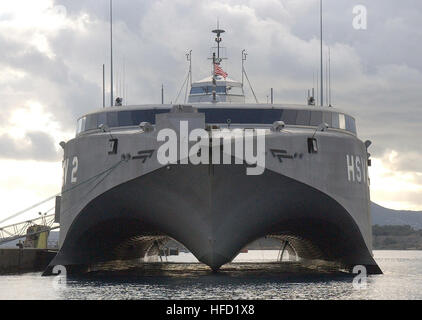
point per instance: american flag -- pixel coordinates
(219, 71)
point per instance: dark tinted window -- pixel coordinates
(135, 117)
(208, 89)
(303, 118)
(91, 122)
(350, 124)
(101, 119)
(124, 118)
(335, 119)
(112, 119)
(239, 116)
(316, 118)
(289, 116)
(265, 116)
(145, 116)
(327, 118)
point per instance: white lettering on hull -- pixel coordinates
(356, 170)
(73, 172)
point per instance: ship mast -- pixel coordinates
(322, 70)
(111, 54)
(218, 39)
(216, 61)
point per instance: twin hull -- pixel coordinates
(319, 202)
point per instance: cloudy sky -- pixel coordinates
(52, 51)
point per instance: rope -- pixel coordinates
(187, 87)
(183, 85)
(253, 92)
(30, 208)
(92, 189)
(60, 193)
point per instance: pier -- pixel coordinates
(22, 260)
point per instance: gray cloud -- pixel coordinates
(35, 146)
(377, 73)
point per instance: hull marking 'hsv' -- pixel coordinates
(356, 171)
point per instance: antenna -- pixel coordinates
(244, 55)
(189, 58)
(121, 84)
(162, 94)
(124, 79)
(103, 85)
(218, 39)
(317, 88)
(111, 51)
(311, 94)
(322, 70)
(329, 75)
(326, 81)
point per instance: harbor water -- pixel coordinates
(252, 275)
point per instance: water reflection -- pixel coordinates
(402, 279)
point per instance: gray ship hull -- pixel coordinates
(215, 216)
(116, 206)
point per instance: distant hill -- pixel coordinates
(388, 217)
(396, 238)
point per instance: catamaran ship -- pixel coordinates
(119, 200)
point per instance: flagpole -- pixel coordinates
(214, 82)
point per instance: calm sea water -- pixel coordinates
(402, 279)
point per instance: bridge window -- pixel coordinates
(81, 125)
(102, 119)
(350, 124)
(342, 121)
(112, 119)
(197, 90)
(316, 118)
(335, 118)
(91, 122)
(126, 118)
(303, 118)
(327, 118)
(207, 90)
(289, 116)
(242, 116)
(135, 117)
